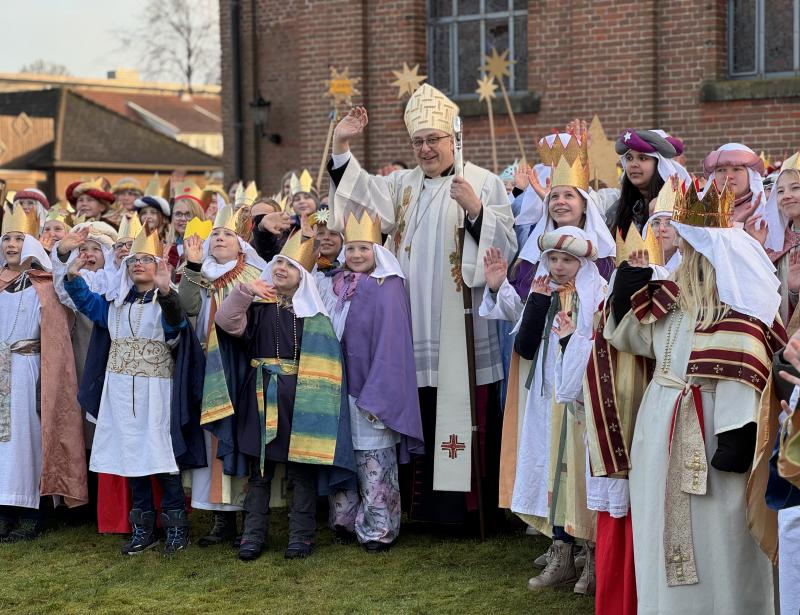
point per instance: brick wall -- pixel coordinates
(635, 63)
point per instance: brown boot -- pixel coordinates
(560, 570)
(586, 584)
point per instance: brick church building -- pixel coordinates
(708, 72)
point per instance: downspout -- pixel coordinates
(236, 86)
(656, 32)
(257, 130)
(365, 75)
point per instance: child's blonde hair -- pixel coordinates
(697, 280)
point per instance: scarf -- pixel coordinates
(745, 199)
(344, 285)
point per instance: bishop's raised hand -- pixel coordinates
(351, 125)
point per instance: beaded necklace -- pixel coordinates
(285, 303)
(675, 320)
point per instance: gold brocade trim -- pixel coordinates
(135, 356)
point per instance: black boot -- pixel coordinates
(7, 524)
(223, 530)
(176, 523)
(26, 529)
(143, 535)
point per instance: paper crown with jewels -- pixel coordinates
(304, 183)
(19, 222)
(569, 164)
(300, 249)
(714, 210)
(429, 109)
(129, 226)
(189, 190)
(147, 243)
(633, 242)
(363, 228)
(245, 197)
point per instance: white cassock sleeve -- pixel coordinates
(505, 304)
(571, 368)
(630, 335)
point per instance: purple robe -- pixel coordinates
(379, 359)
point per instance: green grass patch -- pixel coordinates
(73, 570)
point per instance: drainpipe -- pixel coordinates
(236, 86)
(254, 57)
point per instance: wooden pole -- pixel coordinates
(328, 139)
(513, 121)
(491, 133)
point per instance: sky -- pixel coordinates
(76, 33)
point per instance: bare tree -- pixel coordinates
(43, 67)
(177, 40)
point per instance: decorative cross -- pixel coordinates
(619, 451)
(604, 378)
(717, 369)
(452, 446)
(677, 559)
(696, 466)
(608, 402)
(613, 427)
(694, 368)
(755, 379)
(601, 353)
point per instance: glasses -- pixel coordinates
(123, 244)
(662, 222)
(180, 215)
(140, 260)
(431, 142)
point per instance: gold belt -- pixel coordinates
(135, 356)
(26, 347)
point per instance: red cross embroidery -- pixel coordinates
(453, 446)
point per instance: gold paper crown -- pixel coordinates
(429, 109)
(126, 183)
(229, 219)
(668, 198)
(189, 189)
(153, 187)
(147, 243)
(653, 246)
(245, 197)
(365, 228)
(633, 241)
(58, 214)
(304, 183)
(300, 249)
(569, 165)
(714, 210)
(792, 162)
(129, 226)
(19, 222)
(196, 226)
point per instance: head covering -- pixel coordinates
(508, 173)
(33, 194)
(429, 109)
(33, 250)
(302, 185)
(94, 189)
(159, 203)
(656, 144)
(211, 269)
(532, 206)
(103, 280)
(306, 300)
(127, 183)
(101, 232)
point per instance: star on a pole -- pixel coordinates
(407, 79)
(497, 65)
(486, 88)
(341, 87)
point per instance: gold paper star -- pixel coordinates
(486, 88)
(602, 155)
(341, 86)
(497, 66)
(408, 80)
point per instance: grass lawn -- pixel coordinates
(73, 570)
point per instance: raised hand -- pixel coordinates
(751, 227)
(521, 179)
(564, 325)
(349, 126)
(74, 239)
(163, 277)
(536, 184)
(541, 285)
(260, 288)
(78, 263)
(276, 223)
(744, 212)
(494, 268)
(306, 228)
(193, 249)
(639, 258)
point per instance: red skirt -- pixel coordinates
(615, 573)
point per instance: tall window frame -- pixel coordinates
(749, 19)
(483, 13)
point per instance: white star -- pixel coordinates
(627, 136)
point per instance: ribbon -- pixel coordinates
(267, 401)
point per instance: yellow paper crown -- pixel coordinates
(147, 243)
(668, 198)
(633, 241)
(188, 189)
(201, 228)
(653, 246)
(153, 187)
(129, 227)
(304, 183)
(300, 249)
(429, 109)
(569, 164)
(58, 213)
(19, 222)
(126, 183)
(365, 228)
(714, 210)
(792, 162)
(245, 197)
(228, 218)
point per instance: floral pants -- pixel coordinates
(372, 512)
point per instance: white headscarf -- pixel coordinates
(306, 300)
(125, 283)
(775, 218)
(213, 270)
(33, 250)
(386, 263)
(666, 167)
(532, 207)
(746, 278)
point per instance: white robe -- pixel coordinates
(735, 577)
(132, 437)
(21, 456)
